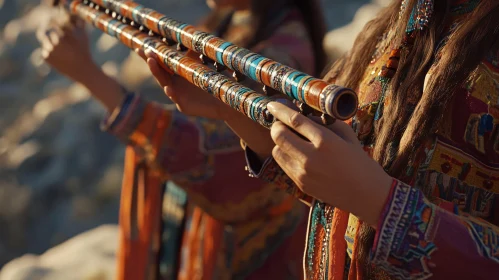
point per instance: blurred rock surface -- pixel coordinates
(88, 256)
(340, 40)
(59, 174)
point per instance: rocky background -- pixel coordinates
(59, 174)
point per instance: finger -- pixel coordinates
(40, 34)
(46, 45)
(151, 55)
(161, 76)
(76, 21)
(68, 28)
(344, 131)
(141, 53)
(56, 22)
(298, 122)
(45, 33)
(45, 54)
(54, 35)
(289, 141)
(172, 94)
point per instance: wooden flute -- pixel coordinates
(158, 32)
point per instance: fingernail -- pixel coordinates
(149, 53)
(150, 61)
(167, 93)
(271, 107)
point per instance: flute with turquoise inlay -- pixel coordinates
(157, 32)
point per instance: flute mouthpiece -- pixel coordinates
(340, 102)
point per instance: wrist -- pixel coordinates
(370, 198)
(104, 88)
(379, 199)
(91, 77)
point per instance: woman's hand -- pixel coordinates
(193, 101)
(189, 99)
(65, 47)
(331, 166)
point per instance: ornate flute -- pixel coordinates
(335, 101)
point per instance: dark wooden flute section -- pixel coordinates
(338, 102)
(242, 99)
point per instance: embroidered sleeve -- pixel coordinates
(269, 171)
(202, 156)
(416, 240)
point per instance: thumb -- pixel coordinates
(162, 77)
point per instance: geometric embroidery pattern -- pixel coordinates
(486, 239)
(404, 244)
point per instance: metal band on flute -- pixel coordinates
(243, 99)
(338, 102)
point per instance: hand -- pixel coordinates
(331, 166)
(193, 101)
(65, 46)
(189, 99)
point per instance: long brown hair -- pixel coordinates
(264, 13)
(401, 130)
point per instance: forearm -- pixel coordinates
(104, 88)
